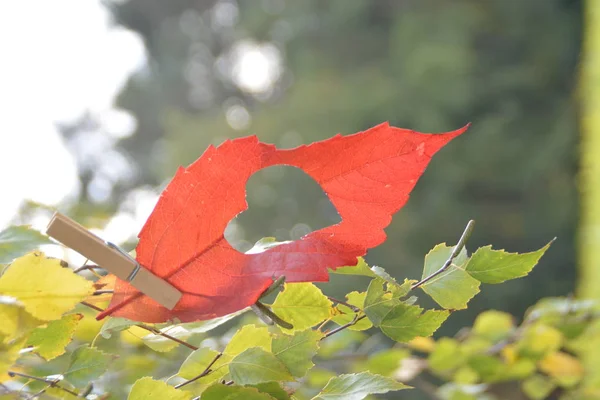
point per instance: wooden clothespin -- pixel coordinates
(113, 259)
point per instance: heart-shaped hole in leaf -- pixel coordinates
(284, 203)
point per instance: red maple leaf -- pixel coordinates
(367, 176)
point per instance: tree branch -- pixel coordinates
(149, 328)
(51, 382)
(167, 336)
(350, 306)
(455, 252)
(206, 371)
(341, 328)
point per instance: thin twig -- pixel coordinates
(99, 292)
(341, 328)
(51, 382)
(455, 252)
(167, 336)
(206, 371)
(350, 306)
(84, 266)
(92, 306)
(149, 328)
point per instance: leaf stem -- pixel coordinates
(99, 292)
(206, 371)
(149, 328)
(85, 267)
(167, 336)
(341, 328)
(51, 382)
(455, 252)
(92, 306)
(350, 306)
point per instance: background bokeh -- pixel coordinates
(106, 100)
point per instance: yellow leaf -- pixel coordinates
(133, 336)
(8, 355)
(88, 327)
(424, 344)
(509, 353)
(247, 337)
(46, 289)
(16, 322)
(566, 369)
(303, 305)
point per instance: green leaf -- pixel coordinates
(497, 266)
(50, 341)
(87, 364)
(256, 365)
(303, 305)
(357, 386)
(537, 387)
(405, 322)
(538, 340)
(445, 356)
(340, 342)
(15, 241)
(569, 315)
(361, 268)
(115, 324)
(358, 300)
(273, 389)
(148, 389)
(234, 392)
(162, 344)
(491, 369)
(493, 325)
(247, 337)
(296, 352)
(453, 288)
(385, 362)
(379, 301)
(197, 362)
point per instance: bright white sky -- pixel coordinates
(59, 59)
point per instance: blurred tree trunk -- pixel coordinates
(589, 181)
